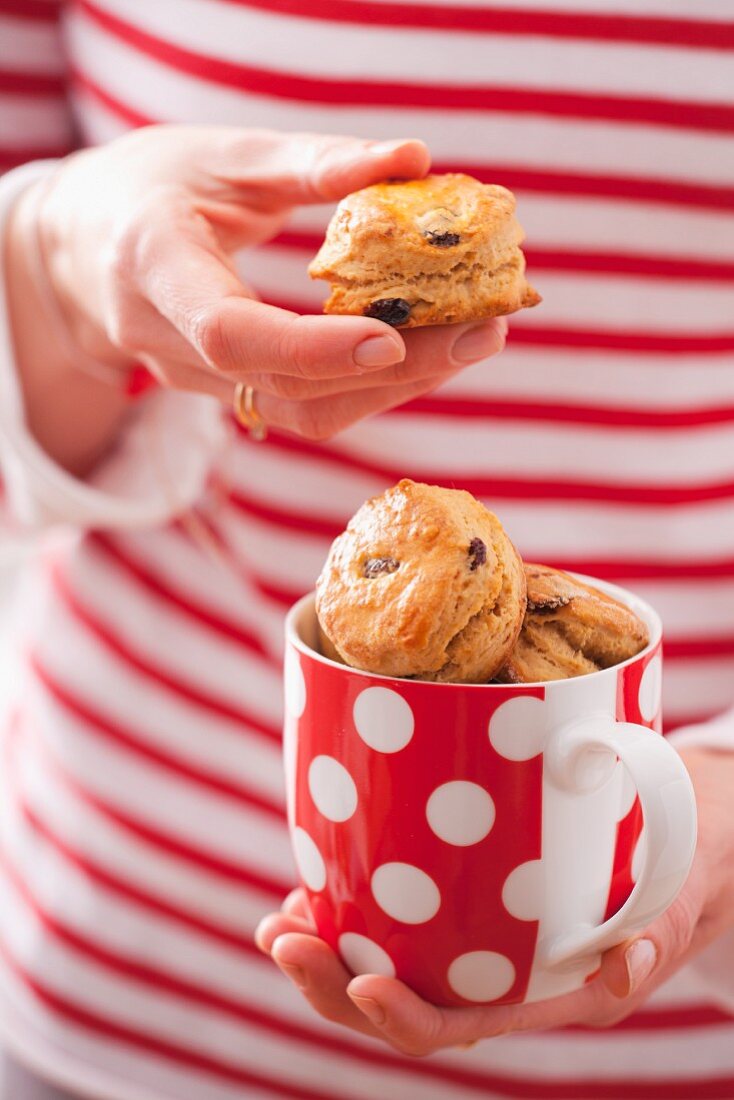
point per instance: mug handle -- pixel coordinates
(580, 757)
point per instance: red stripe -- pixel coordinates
(473, 406)
(136, 744)
(277, 592)
(162, 677)
(658, 267)
(642, 342)
(30, 84)
(698, 648)
(480, 485)
(152, 582)
(603, 27)
(36, 10)
(611, 569)
(517, 177)
(133, 894)
(445, 97)
(13, 157)
(245, 877)
(153, 977)
(144, 1041)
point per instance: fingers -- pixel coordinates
(321, 419)
(430, 354)
(315, 969)
(273, 169)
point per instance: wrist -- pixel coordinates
(73, 414)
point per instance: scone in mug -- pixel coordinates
(483, 843)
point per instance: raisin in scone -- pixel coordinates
(427, 252)
(423, 583)
(570, 629)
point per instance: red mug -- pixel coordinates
(483, 843)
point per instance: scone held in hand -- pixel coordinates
(425, 252)
(423, 583)
(570, 629)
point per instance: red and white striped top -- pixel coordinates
(142, 817)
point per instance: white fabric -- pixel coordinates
(157, 470)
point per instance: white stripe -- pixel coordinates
(208, 662)
(29, 46)
(154, 715)
(233, 907)
(584, 299)
(684, 9)
(201, 573)
(145, 85)
(26, 121)
(613, 379)
(542, 530)
(240, 834)
(447, 447)
(154, 942)
(695, 1053)
(95, 1068)
(691, 609)
(697, 685)
(317, 47)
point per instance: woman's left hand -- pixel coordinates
(388, 1009)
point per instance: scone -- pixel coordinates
(570, 629)
(424, 583)
(427, 252)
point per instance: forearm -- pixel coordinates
(74, 416)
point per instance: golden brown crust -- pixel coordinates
(570, 629)
(423, 583)
(446, 247)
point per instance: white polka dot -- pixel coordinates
(332, 788)
(628, 793)
(650, 687)
(522, 894)
(310, 862)
(405, 893)
(481, 975)
(383, 719)
(295, 685)
(460, 812)
(517, 729)
(364, 956)
(638, 856)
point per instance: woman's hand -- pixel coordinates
(387, 1009)
(138, 236)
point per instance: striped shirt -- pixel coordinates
(142, 812)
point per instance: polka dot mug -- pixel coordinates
(484, 843)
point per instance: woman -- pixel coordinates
(143, 834)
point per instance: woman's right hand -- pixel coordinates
(137, 238)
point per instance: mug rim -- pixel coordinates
(634, 602)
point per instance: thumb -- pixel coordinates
(271, 170)
(628, 966)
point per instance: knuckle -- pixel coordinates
(313, 422)
(212, 336)
(292, 349)
(680, 922)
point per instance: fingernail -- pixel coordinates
(384, 148)
(378, 351)
(295, 974)
(260, 942)
(477, 343)
(640, 961)
(374, 1012)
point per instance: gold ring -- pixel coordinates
(247, 414)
